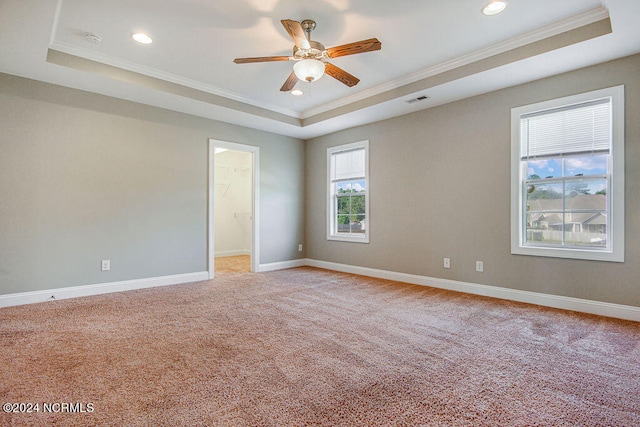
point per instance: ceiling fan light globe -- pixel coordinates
(309, 70)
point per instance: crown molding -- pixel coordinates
(556, 28)
(571, 23)
(161, 75)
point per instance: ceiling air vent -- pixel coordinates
(418, 99)
(91, 38)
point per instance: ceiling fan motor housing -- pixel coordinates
(317, 51)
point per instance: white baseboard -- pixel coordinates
(234, 252)
(101, 288)
(282, 265)
(566, 303)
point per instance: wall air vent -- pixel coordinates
(418, 99)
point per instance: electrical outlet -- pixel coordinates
(106, 265)
(300, 247)
(447, 263)
(479, 266)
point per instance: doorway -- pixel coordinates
(233, 203)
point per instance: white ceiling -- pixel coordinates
(446, 50)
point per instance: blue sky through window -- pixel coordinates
(351, 186)
(552, 168)
(574, 166)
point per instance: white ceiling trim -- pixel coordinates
(558, 27)
(553, 29)
(152, 72)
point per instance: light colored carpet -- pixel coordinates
(318, 348)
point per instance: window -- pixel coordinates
(567, 197)
(348, 204)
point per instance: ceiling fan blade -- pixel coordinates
(295, 30)
(362, 46)
(340, 74)
(290, 83)
(261, 59)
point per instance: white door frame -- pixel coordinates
(255, 223)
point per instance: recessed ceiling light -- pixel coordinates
(494, 7)
(296, 92)
(142, 38)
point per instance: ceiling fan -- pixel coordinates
(312, 57)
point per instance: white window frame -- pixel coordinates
(332, 233)
(615, 193)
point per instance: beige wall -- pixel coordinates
(84, 177)
(440, 187)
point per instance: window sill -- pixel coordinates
(583, 254)
(363, 239)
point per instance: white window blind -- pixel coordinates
(575, 129)
(349, 164)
